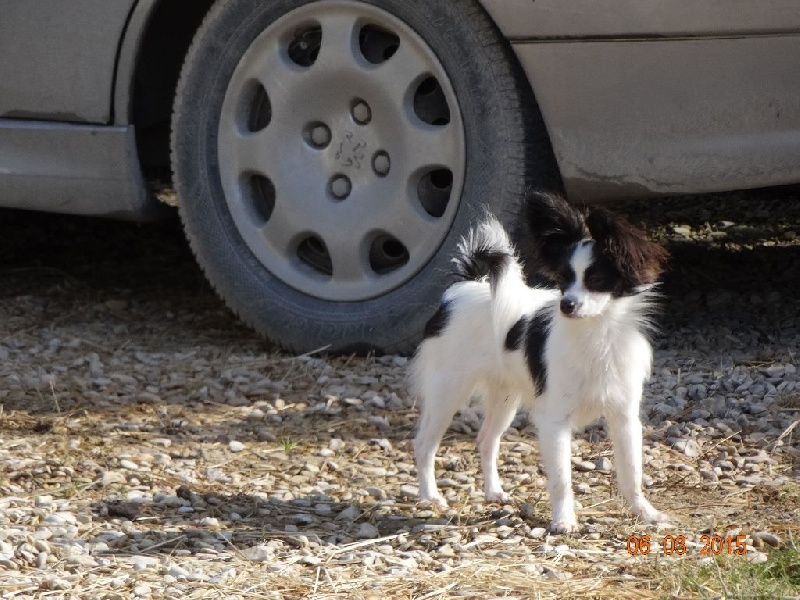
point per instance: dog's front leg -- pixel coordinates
(625, 429)
(555, 437)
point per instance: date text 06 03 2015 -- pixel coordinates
(710, 545)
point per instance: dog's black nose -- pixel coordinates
(568, 306)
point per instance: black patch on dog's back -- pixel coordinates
(536, 340)
(438, 322)
(515, 335)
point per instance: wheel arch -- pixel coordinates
(151, 55)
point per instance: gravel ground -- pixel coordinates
(151, 447)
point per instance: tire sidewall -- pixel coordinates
(467, 46)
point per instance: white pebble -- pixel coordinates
(259, 553)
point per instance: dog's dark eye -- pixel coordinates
(594, 281)
(565, 277)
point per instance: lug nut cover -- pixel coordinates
(341, 187)
(362, 114)
(381, 164)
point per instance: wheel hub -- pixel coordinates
(341, 150)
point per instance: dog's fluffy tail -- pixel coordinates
(487, 253)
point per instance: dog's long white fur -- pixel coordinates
(595, 367)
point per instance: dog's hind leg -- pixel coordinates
(498, 414)
(442, 396)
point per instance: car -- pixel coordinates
(327, 155)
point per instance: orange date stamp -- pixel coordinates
(668, 545)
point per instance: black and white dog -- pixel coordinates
(569, 355)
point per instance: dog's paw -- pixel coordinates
(564, 526)
(651, 516)
(659, 519)
(436, 499)
(500, 496)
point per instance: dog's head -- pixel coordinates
(594, 259)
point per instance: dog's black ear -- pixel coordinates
(550, 226)
(639, 260)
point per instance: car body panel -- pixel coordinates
(77, 169)
(528, 19)
(58, 60)
(704, 114)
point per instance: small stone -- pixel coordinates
(768, 538)
(178, 572)
(447, 482)
(486, 538)
(367, 531)
(374, 471)
(351, 513)
(259, 553)
(705, 561)
(537, 533)
(141, 563)
(301, 519)
(112, 477)
(689, 447)
(585, 465)
(323, 510)
(376, 492)
(709, 475)
(409, 491)
(55, 583)
(61, 518)
(682, 230)
(664, 409)
(235, 446)
(756, 557)
(556, 574)
(603, 464)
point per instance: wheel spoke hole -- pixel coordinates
(377, 44)
(430, 104)
(313, 252)
(255, 109)
(387, 254)
(434, 190)
(304, 47)
(260, 196)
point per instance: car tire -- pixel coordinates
(328, 156)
